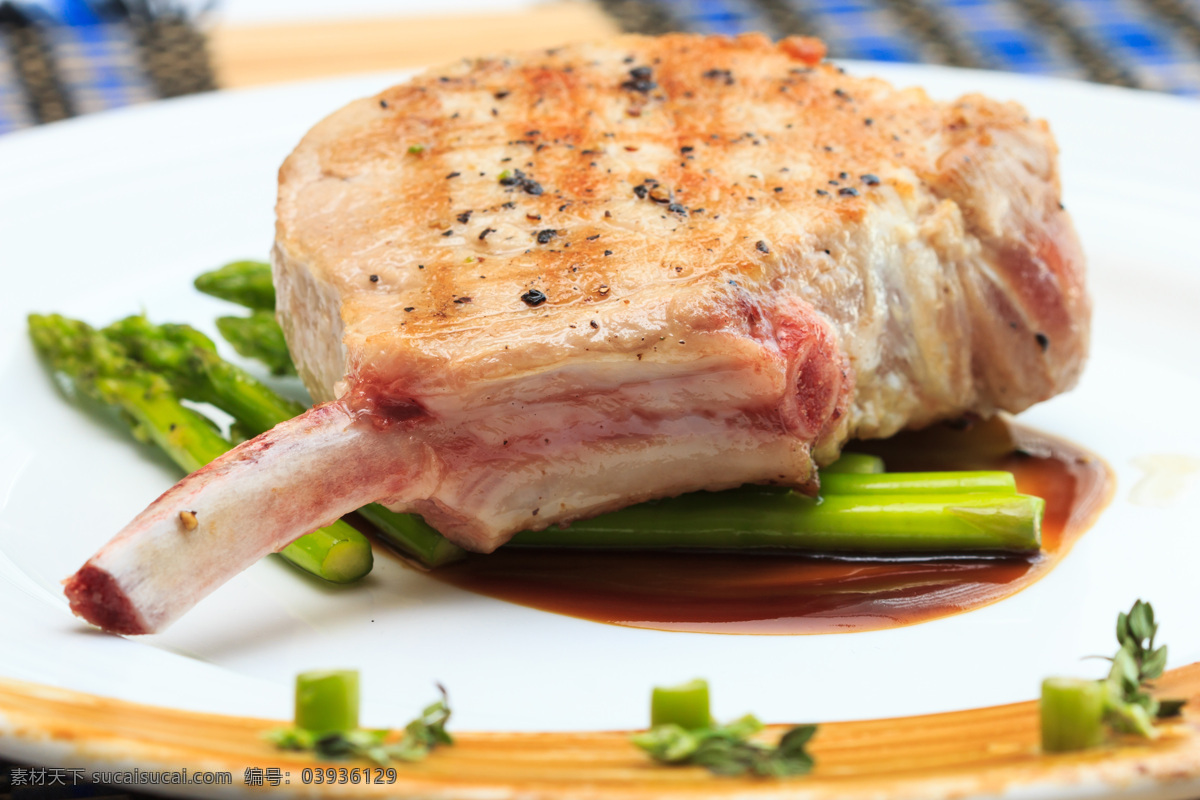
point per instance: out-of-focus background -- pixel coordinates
(65, 58)
(62, 58)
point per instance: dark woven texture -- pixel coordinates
(108, 53)
(104, 54)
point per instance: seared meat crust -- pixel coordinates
(641, 221)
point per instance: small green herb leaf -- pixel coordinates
(422, 735)
(667, 743)
(1141, 622)
(1132, 709)
(1154, 664)
(726, 750)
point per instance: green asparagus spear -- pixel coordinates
(919, 483)
(101, 369)
(685, 705)
(258, 336)
(1072, 714)
(412, 535)
(949, 523)
(327, 700)
(189, 361)
(247, 283)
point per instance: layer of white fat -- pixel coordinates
(602, 467)
(551, 456)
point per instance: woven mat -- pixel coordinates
(99, 54)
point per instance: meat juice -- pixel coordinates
(774, 592)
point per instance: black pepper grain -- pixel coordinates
(453, 175)
(464, 217)
(374, 279)
(640, 80)
(1043, 341)
(544, 236)
(484, 233)
(870, 180)
(533, 297)
(723, 75)
(762, 246)
(848, 191)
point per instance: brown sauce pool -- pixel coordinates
(786, 593)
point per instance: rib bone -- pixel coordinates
(254, 500)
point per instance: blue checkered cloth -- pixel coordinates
(74, 57)
(1157, 42)
(98, 63)
(99, 66)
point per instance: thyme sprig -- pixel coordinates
(1131, 708)
(421, 736)
(728, 750)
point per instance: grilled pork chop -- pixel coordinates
(527, 290)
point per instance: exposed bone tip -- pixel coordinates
(95, 596)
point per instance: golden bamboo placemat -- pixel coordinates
(986, 751)
(253, 55)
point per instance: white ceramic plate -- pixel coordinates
(108, 215)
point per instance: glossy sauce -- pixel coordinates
(785, 593)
